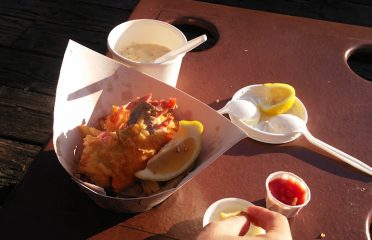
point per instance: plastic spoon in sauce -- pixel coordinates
(190, 45)
(288, 124)
(242, 109)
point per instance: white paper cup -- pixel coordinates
(229, 205)
(275, 205)
(148, 31)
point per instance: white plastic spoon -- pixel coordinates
(288, 124)
(242, 109)
(190, 45)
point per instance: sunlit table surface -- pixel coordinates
(250, 47)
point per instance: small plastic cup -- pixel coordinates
(148, 31)
(229, 205)
(276, 205)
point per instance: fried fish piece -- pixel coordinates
(131, 135)
(111, 158)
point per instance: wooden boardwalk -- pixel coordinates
(33, 38)
(34, 35)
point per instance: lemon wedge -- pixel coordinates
(177, 155)
(278, 98)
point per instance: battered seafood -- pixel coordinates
(130, 136)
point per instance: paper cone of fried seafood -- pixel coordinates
(89, 85)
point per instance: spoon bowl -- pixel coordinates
(259, 130)
(245, 110)
(286, 124)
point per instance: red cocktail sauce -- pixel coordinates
(287, 191)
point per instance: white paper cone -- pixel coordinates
(90, 83)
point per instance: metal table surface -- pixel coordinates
(253, 47)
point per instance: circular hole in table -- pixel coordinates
(360, 61)
(193, 27)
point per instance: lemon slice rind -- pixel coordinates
(189, 132)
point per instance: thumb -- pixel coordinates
(239, 225)
(230, 228)
(269, 220)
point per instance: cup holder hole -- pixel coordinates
(194, 27)
(360, 61)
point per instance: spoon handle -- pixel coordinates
(337, 153)
(190, 45)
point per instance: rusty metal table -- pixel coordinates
(252, 47)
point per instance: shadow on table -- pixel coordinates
(318, 160)
(49, 205)
(331, 165)
(185, 230)
(190, 228)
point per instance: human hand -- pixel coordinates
(275, 224)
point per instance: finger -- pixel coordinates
(229, 228)
(237, 225)
(244, 229)
(268, 220)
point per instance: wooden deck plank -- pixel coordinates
(24, 125)
(15, 158)
(11, 28)
(29, 71)
(81, 15)
(14, 97)
(27, 10)
(50, 39)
